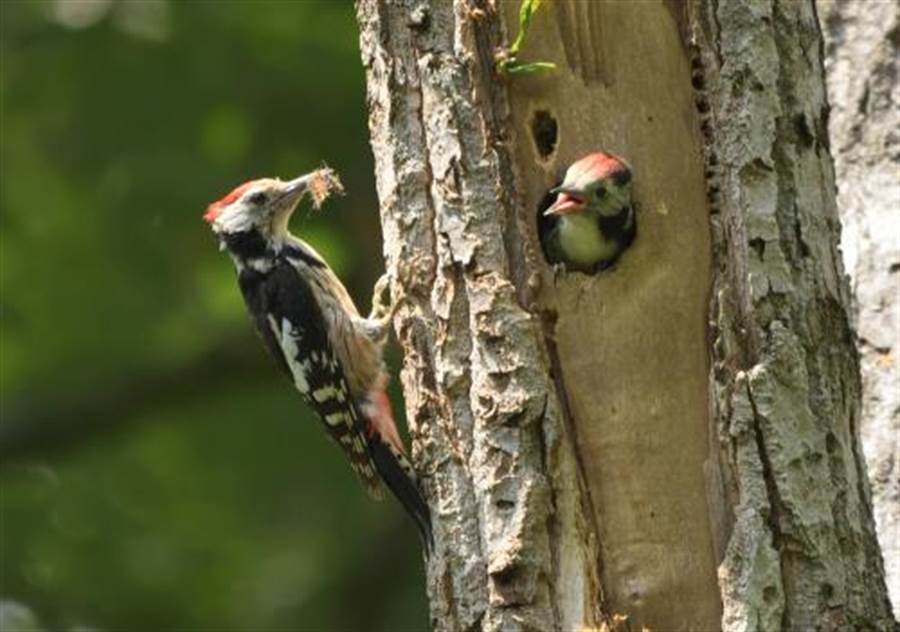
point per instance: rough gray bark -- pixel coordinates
(585, 459)
(786, 391)
(490, 439)
(863, 44)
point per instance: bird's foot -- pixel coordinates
(559, 269)
(381, 307)
(378, 323)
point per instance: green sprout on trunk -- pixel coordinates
(507, 59)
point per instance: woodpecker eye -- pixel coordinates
(258, 198)
(599, 192)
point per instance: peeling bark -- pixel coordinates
(672, 444)
(490, 439)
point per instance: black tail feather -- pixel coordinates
(404, 489)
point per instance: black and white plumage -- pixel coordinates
(310, 325)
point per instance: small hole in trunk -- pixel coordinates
(545, 131)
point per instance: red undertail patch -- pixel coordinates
(382, 421)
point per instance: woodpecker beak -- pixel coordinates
(283, 206)
(569, 200)
(294, 189)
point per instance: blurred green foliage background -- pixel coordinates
(157, 472)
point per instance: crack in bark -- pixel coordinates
(776, 507)
(587, 501)
(553, 529)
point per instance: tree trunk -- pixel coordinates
(672, 443)
(862, 48)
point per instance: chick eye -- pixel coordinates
(599, 192)
(258, 198)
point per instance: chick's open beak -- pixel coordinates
(569, 200)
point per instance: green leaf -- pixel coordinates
(509, 64)
(524, 69)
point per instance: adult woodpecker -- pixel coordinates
(591, 222)
(310, 325)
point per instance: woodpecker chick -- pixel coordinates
(310, 325)
(591, 222)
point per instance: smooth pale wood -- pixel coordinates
(639, 400)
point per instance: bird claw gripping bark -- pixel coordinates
(559, 271)
(378, 323)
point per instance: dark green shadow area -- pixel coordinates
(158, 473)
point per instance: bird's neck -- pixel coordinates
(246, 244)
(251, 249)
(582, 240)
(616, 224)
(279, 228)
(589, 237)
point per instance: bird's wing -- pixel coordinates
(295, 333)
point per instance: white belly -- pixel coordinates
(582, 241)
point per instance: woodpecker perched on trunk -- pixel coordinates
(310, 325)
(591, 222)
